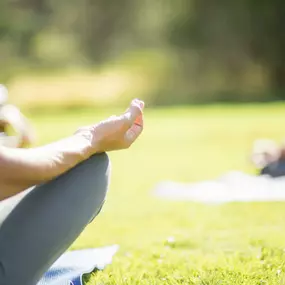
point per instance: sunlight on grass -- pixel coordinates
(73, 89)
(223, 244)
(113, 84)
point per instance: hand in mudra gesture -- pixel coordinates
(117, 132)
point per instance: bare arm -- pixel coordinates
(23, 168)
(10, 115)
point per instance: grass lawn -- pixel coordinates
(225, 244)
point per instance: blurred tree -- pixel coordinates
(208, 42)
(267, 42)
(230, 33)
(104, 25)
(26, 19)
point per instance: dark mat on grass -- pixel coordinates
(71, 266)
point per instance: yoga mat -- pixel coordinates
(71, 266)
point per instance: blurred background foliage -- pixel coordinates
(101, 52)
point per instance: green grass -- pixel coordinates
(225, 244)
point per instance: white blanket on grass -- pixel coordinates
(232, 187)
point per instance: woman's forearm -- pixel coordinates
(23, 168)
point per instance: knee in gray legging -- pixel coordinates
(92, 180)
(99, 180)
(44, 223)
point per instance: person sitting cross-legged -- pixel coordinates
(49, 194)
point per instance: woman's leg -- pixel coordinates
(36, 228)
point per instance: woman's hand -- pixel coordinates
(23, 134)
(117, 132)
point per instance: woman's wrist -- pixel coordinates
(85, 145)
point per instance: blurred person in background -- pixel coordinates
(269, 157)
(15, 130)
(71, 176)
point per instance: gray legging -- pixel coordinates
(37, 226)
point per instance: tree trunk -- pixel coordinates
(278, 79)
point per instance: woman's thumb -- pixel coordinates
(135, 111)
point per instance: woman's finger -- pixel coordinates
(133, 133)
(133, 113)
(139, 121)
